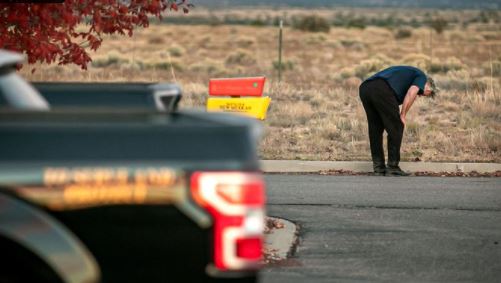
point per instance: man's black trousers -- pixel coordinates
(381, 107)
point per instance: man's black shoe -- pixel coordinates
(395, 171)
(379, 168)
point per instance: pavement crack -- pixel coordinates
(348, 206)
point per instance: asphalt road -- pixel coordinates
(389, 229)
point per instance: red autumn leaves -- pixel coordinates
(64, 32)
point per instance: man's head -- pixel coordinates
(430, 88)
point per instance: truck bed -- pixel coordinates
(187, 139)
(105, 95)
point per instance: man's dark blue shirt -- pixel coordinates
(401, 78)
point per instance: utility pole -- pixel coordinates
(431, 49)
(280, 51)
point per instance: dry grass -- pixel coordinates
(316, 113)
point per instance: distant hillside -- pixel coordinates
(451, 4)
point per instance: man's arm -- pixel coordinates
(408, 100)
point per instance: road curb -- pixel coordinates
(280, 242)
(297, 166)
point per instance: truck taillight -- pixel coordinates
(236, 202)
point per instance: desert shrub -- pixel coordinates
(417, 59)
(311, 23)
(209, 67)
(346, 73)
(214, 20)
(491, 36)
(493, 141)
(240, 57)
(245, 41)
(132, 66)
(450, 64)
(287, 65)
(164, 65)
(489, 16)
(402, 33)
(329, 132)
(369, 66)
(113, 58)
(486, 16)
(349, 42)
(359, 23)
(176, 50)
(389, 21)
(156, 40)
(351, 20)
(438, 24)
(454, 81)
(354, 44)
(416, 154)
(257, 22)
(316, 39)
(462, 80)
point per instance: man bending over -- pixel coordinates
(381, 96)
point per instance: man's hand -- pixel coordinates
(402, 118)
(408, 100)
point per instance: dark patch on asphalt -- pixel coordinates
(288, 262)
(297, 240)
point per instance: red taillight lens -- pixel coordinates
(236, 202)
(247, 194)
(250, 248)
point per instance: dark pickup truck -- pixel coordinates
(143, 96)
(126, 193)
